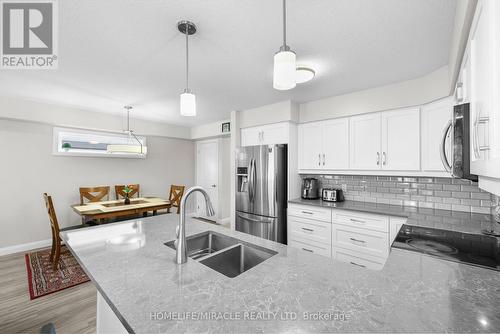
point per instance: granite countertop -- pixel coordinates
(472, 223)
(412, 293)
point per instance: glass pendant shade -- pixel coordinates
(285, 76)
(188, 104)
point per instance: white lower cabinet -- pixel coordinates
(358, 238)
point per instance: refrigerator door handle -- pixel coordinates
(442, 146)
(250, 180)
(252, 220)
(253, 178)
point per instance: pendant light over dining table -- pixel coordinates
(188, 99)
(284, 76)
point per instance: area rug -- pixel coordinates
(42, 280)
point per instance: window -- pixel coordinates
(75, 142)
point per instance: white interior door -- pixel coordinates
(365, 142)
(207, 175)
(401, 139)
(336, 144)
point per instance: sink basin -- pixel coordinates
(205, 243)
(229, 256)
(237, 259)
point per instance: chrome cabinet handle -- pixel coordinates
(357, 221)
(357, 264)
(378, 158)
(357, 240)
(323, 159)
(307, 229)
(442, 146)
(308, 250)
(384, 159)
(307, 212)
(319, 159)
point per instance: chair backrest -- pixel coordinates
(94, 194)
(176, 193)
(52, 213)
(119, 193)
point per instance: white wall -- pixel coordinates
(19, 109)
(403, 94)
(224, 180)
(29, 169)
(209, 130)
(267, 114)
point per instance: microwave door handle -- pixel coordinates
(442, 147)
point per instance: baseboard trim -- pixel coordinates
(25, 247)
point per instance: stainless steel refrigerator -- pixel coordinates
(261, 191)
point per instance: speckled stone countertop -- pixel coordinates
(458, 221)
(412, 293)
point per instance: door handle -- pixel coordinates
(323, 159)
(357, 221)
(307, 212)
(357, 264)
(307, 250)
(357, 240)
(307, 229)
(384, 162)
(442, 147)
(378, 158)
(253, 220)
(319, 159)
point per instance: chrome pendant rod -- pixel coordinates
(284, 23)
(187, 60)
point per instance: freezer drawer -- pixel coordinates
(260, 226)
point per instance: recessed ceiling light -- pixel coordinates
(304, 74)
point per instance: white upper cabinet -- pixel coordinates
(435, 118)
(310, 145)
(365, 141)
(277, 133)
(484, 43)
(335, 143)
(324, 145)
(401, 140)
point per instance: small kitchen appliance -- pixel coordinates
(332, 195)
(310, 188)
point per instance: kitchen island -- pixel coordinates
(292, 291)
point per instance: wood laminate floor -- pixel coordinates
(72, 310)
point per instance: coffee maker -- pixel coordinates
(310, 188)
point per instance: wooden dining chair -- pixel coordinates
(119, 194)
(176, 193)
(55, 252)
(94, 194)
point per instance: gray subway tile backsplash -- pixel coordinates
(418, 192)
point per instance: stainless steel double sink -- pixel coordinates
(227, 255)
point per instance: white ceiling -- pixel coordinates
(117, 52)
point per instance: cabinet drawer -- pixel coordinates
(310, 212)
(362, 220)
(360, 240)
(311, 247)
(358, 259)
(312, 230)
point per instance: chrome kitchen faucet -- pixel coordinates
(180, 243)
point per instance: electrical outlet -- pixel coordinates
(344, 187)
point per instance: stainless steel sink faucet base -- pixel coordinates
(181, 249)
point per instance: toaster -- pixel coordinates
(332, 195)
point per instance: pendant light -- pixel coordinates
(131, 147)
(188, 99)
(284, 76)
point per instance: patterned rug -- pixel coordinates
(42, 280)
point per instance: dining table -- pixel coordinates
(98, 211)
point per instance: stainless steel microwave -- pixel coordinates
(459, 129)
